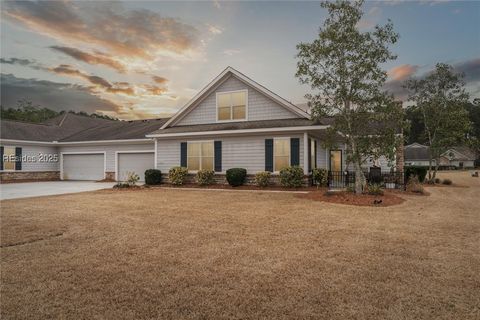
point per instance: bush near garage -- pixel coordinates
(236, 176)
(153, 177)
(291, 177)
(205, 177)
(177, 175)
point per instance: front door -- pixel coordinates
(335, 160)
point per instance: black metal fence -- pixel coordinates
(346, 179)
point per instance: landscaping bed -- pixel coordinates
(389, 198)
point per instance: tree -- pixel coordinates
(342, 67)
(440, 97)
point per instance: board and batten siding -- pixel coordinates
(109, 151)
(237, 152)
(260, 107)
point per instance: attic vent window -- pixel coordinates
(232, 106)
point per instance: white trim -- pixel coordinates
(201, 156)
(255, 85)
(156, 154)
(305, 153)
(220, 132)
(24, 141)
(84, 152)
(231, 107)
(74, 142)
(129, 151)
(289, 152)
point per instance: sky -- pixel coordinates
(138, 60)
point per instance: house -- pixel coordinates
(458, 158)
(417, 154)
(232, 122)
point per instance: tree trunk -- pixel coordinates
(359, 178)
(430, 160)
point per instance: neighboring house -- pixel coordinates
(232, 122)
(458, 158)
(416, 154)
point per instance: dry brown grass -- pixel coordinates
(176, 254)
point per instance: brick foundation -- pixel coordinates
(249, 181)
(10, 176)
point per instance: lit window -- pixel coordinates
(312, 154)
(232, 106)
(200, 156)
(281, 153)
(8, 158)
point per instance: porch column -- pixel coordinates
(155, 154)
(305, 153)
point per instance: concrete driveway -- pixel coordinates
(36, 189)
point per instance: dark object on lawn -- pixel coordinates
(377, 201)
(438, 180)
(153, 176)
(447, 182)
(475, 174)
(236, 176)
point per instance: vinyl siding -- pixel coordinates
(244, 152)
(259, 106)
(109, 151)
(323, 159)
(33, 152)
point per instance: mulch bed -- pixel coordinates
(348, 198)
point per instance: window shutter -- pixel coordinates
(294, 151)
(269, 155)
(309, 154)
(18, 156)
(218, 156)
(183, 154)
(1, 156)
(315, 151)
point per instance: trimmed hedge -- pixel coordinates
(177, 175)
(205, 177)
(236, 176)
(291, 177)
(420, 172)
(262, 179)
(153, 176)
(320, 177)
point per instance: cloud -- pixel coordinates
(470, 68)
(216, 4)
(214, 29)
(22, 62)
(129, 33)
(97, 81)
(231, 52)
(95, 59)
(159, 80)
(402, 72)
(153, 89)
(53, 95)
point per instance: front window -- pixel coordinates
(281, 154)
(200, 156)
(232, 106)
(312, 154)
(8, 158)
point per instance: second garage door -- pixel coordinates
(83, 166)
(134, 162)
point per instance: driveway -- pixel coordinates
(36, 189)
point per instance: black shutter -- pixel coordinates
(294, 151)
(183, 154)
(315, 153)
(218, 156)
(18, 158)
(1, 156)
(269, 155)
(309, 155)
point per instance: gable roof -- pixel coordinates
(416, 151)
(461, 153)
(218, 80)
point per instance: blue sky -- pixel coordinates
(146, 59)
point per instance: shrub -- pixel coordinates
(374, 189)
(177, 175)
(320, 177)
(291, 177)
(438, 180)
(236, 176)
(132, 179)
(420, 172)
(121, 185)
(414, 185)
(262, 179)
(205, 177)
(153, 176)
(447, 182)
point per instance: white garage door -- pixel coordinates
(134, 162)
(83, 166)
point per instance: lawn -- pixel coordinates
(174, 254)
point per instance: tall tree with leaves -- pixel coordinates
(343, 68)
(440, 97)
